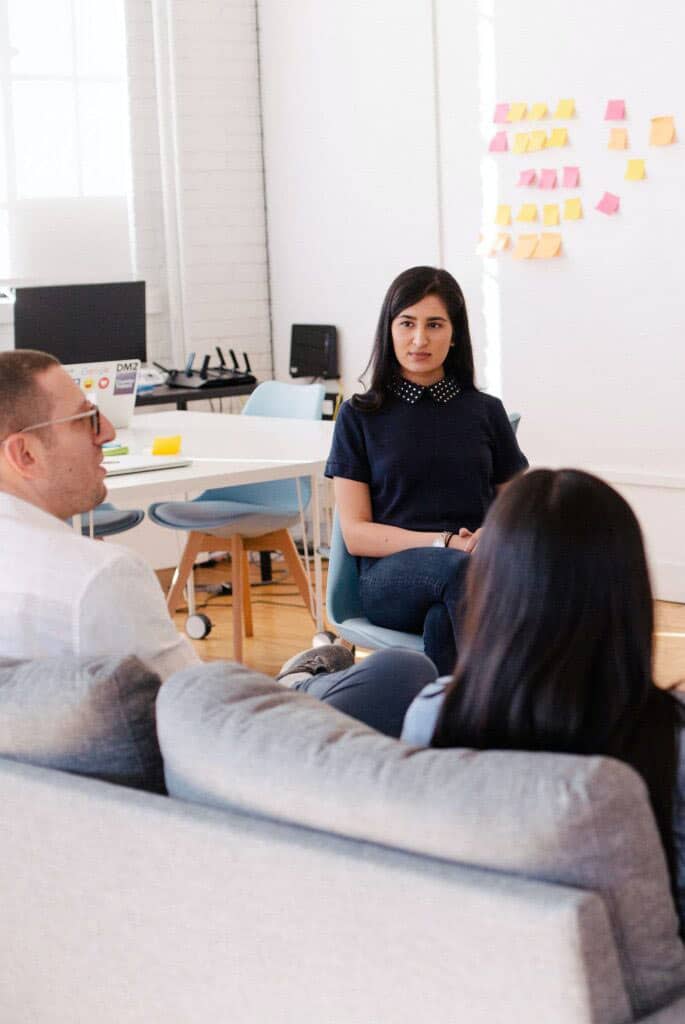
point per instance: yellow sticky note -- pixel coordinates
(557, 137)
(573, 209)
(503, 216)
(528, 212)
(517, 111)
(525, 247)
(663, 131)
(618, 138)
(537, 112)
(167, 445)
(550, 214)
(537, 140)
(548, 246)
(520, 142)
(635, 171)
(565, 109)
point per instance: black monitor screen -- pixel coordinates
(82, 323)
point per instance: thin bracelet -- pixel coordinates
(448, 538)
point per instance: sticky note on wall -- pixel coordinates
(548, 246)
(498, 143)
(635, 171)
(548, 178)
(618, 138)
(520, 142)
(565, 109)
(537, 112)
(616, 110)
(550, 214)
(501, 111)
(517, 111)
(663, 131)
(609, 203)
(571, 177)
(525, 247)
(573, 209)
(537, 140)
(528, 212)
(527, 177)
(557, 137)
(503, 216)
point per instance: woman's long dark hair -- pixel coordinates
(406, 290)
(556, 648)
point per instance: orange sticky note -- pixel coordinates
(525, 247)
(663, 131)
(618, 138)
(573, 209)
(635, 171)
(565, 109)
(537, 140)
(528, 212)
(557, 137)
(503, 215)
(167, 445)
(521, 142)
(492, 245)
(516, 112)
(550, 214)
(548, 246)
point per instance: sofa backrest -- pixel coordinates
(233, 738)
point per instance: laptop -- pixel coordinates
(109, 385)
(116, 465)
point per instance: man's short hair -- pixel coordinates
(22, 400)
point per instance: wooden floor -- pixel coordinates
(282, 626)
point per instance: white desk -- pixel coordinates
(228, 450)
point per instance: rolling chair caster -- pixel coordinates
(198, 626)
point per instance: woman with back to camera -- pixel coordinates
(416, 461)
(556, 645)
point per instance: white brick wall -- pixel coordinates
(219, 175)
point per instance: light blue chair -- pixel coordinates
(343, 604)
(108, 520)
(251, 517)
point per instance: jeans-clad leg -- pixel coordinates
(378, 690)
(419, 591)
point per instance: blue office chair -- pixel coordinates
(343, 605)
(108, 520)
(252, 517)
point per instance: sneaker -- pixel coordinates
(317, 660)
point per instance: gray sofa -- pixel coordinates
(307, 869)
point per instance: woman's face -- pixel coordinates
(421, 338)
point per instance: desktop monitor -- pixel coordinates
(82, 323)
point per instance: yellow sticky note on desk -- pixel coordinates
(635, 171)
(528, 212)
(565, 109)
(663, 131)
(167, 445)
(573, 209)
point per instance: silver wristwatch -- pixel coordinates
(442, 541)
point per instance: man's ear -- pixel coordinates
(20, 455)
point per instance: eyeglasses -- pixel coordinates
(92, 414)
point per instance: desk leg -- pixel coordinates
(316, 541)
(237, 584)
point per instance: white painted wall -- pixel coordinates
(360, 184)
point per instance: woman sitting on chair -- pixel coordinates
(417, 459)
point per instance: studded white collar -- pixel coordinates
(442, 391)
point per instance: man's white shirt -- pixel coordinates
(65, 594)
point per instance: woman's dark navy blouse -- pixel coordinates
(431, 456)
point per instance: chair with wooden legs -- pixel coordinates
(251, 517)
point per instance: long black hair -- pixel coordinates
(556, 649)
(406, 290)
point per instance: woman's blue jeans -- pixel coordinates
(419, 591)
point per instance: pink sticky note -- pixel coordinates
(527, 178)
(609, 203)
(501, 111)
(548, 179)
(616, 110)
(498, 143)
(571, 177)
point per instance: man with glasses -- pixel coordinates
(61, 593)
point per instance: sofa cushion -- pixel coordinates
(93, 716)
(231, 737)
